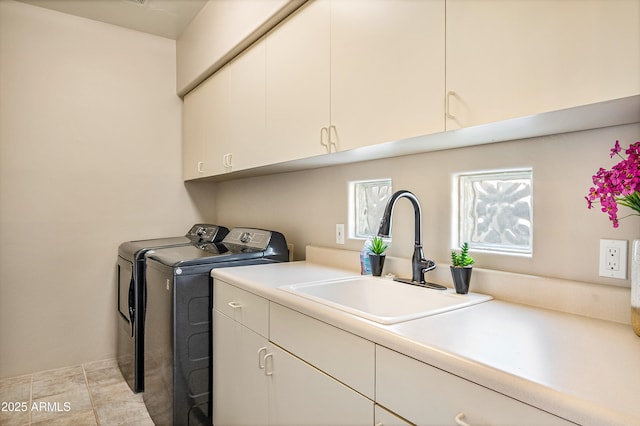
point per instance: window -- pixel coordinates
(367, 200)
(495, 211)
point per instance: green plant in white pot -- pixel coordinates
(377, 255)
(461, 268)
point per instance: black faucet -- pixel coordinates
(419, 264)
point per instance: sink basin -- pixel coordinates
(382, 300)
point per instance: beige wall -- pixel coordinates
(307, 205)
(90, 157)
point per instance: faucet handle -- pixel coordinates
(428, 265)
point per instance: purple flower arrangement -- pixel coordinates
(618, 186)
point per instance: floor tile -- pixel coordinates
(91, 394)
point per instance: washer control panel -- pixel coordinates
(203, 233)
(248, 237)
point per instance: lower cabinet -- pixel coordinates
(257, 383)
(307, 372)
(425, 395)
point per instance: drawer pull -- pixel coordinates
(459, 421)
(261, 357)
(268, 371)
(235, 305)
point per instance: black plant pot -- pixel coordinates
(461, 279)
(377, 262)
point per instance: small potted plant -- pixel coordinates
(461, 268)
(377, 256)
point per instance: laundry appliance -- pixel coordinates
(178, 337)
(130, 300)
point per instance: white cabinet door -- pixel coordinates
(509, 58)
(247, 109)
(302, 395)
(240, 387)
(387, 70)
(426, 395)
(298, 84)
(193, 134)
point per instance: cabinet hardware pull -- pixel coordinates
(235, 305)
(200, 165)
(268, 371)
(261, 357)
(333, 141)
(324, 138)
(227, 160)
(447, 109)
(459, 421)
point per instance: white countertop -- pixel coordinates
(582, 369)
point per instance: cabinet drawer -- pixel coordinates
(426, 395)
(342, 355)
(244, 307)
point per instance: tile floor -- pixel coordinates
(87, 394)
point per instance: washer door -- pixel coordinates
(126, 296)
(126, 338)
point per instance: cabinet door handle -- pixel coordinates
(261, 357)
(459, 421)
(227, 160)
(324, 138)
(200, 166)
(333, 141)
(447, 107)
(235, 305)
(268, 371)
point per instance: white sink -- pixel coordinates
(382, 300)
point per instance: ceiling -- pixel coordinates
(165, 18)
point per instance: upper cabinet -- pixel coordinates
(509, 59)
(367, 79)
(387, 70)
(343, 74)
(224, 119)
(298, 83)
(335, 75)
(204, 132)
(219, 32)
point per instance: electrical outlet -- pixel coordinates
(339, 233)
(613, 259)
